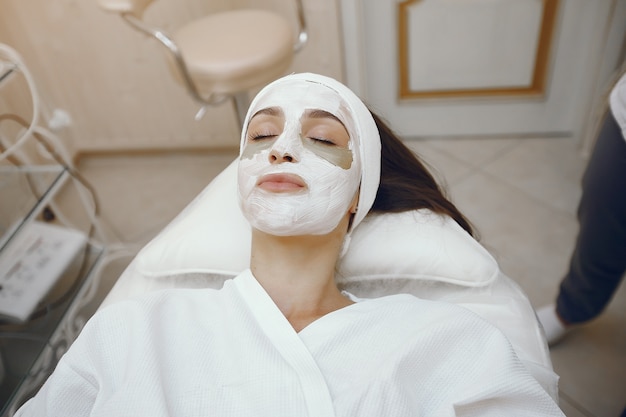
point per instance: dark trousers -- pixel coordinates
(598, 262)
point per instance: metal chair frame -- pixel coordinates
(240, 100)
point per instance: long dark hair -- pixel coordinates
(405, 182)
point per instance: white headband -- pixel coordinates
(366, 140)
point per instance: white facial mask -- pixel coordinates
(331, 175)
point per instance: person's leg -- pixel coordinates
(598, 262)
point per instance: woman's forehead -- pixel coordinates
(296, 97)
(293, 99)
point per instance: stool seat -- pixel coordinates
(234, 51)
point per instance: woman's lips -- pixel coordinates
(281, 183)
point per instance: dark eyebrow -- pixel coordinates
(321, 114)
(270, 111)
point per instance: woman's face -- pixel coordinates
(298, 173)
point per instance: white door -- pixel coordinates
(446, 68)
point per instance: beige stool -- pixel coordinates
(221, 56)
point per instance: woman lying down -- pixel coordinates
(281, 339)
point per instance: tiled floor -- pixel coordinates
(521, 195)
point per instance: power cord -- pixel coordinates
(12, 55)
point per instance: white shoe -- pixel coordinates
(552, 325)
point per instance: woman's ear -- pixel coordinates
(354, 206)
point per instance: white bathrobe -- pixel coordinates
(231, 352)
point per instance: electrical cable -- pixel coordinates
(16, 59)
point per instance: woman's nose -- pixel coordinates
(277, 156)
(285, 149)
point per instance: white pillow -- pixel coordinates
(211, 236)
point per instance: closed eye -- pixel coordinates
(323, 141)
(260, 136)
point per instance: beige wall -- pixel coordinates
(114, 82)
